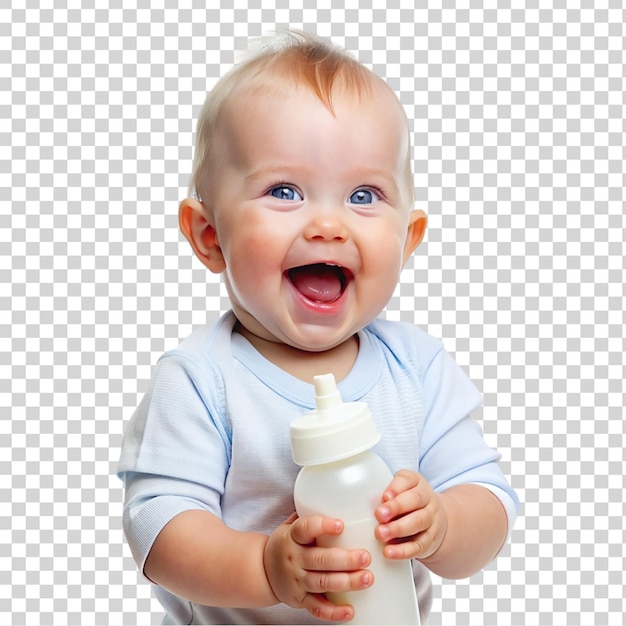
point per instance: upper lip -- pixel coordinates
(318, 255)
(347, 272)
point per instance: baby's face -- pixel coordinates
(311, 213)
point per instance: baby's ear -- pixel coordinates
(193, 219)
(415, 233)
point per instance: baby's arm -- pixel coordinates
(197, 557)
(455, 533)
(477, 528)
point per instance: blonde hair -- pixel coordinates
(299, 59)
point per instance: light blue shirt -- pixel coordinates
(212, 433)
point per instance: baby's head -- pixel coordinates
(303, 193)
(291, 60)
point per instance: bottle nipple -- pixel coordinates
(326, 393)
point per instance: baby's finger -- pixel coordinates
(320, 607)
(405, 502)
(305, 530)
(420, 546)
(335, 560)
(337, 582)
(402, 481)
(404, 527)
(412, 549)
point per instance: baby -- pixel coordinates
(303, 202)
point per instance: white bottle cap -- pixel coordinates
(335, 430)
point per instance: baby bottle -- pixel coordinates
(343, 478)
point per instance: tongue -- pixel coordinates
(320, 283)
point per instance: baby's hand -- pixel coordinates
(300, 572)
(412, 519)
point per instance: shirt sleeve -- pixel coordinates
(176, 451)
(453, 450)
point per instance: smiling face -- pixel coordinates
(307, 213)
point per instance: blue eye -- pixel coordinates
(283, 192)
(363, 196)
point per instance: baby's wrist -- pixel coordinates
(267, 567)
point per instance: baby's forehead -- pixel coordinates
(279, 116)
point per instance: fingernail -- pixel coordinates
(383, 531)
(391, 553)
(384, 512)
(366, 579)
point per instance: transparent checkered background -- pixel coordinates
(518, 126)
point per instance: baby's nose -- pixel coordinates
(326, 226)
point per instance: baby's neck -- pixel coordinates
(305, 365)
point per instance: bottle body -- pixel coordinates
(350, 489)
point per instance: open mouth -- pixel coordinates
(320, 282)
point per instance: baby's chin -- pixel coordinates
(314, 340)
(317, 339)
(305, 345)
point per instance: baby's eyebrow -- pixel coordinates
(363, 175)
(373, 173)
(275, 172)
